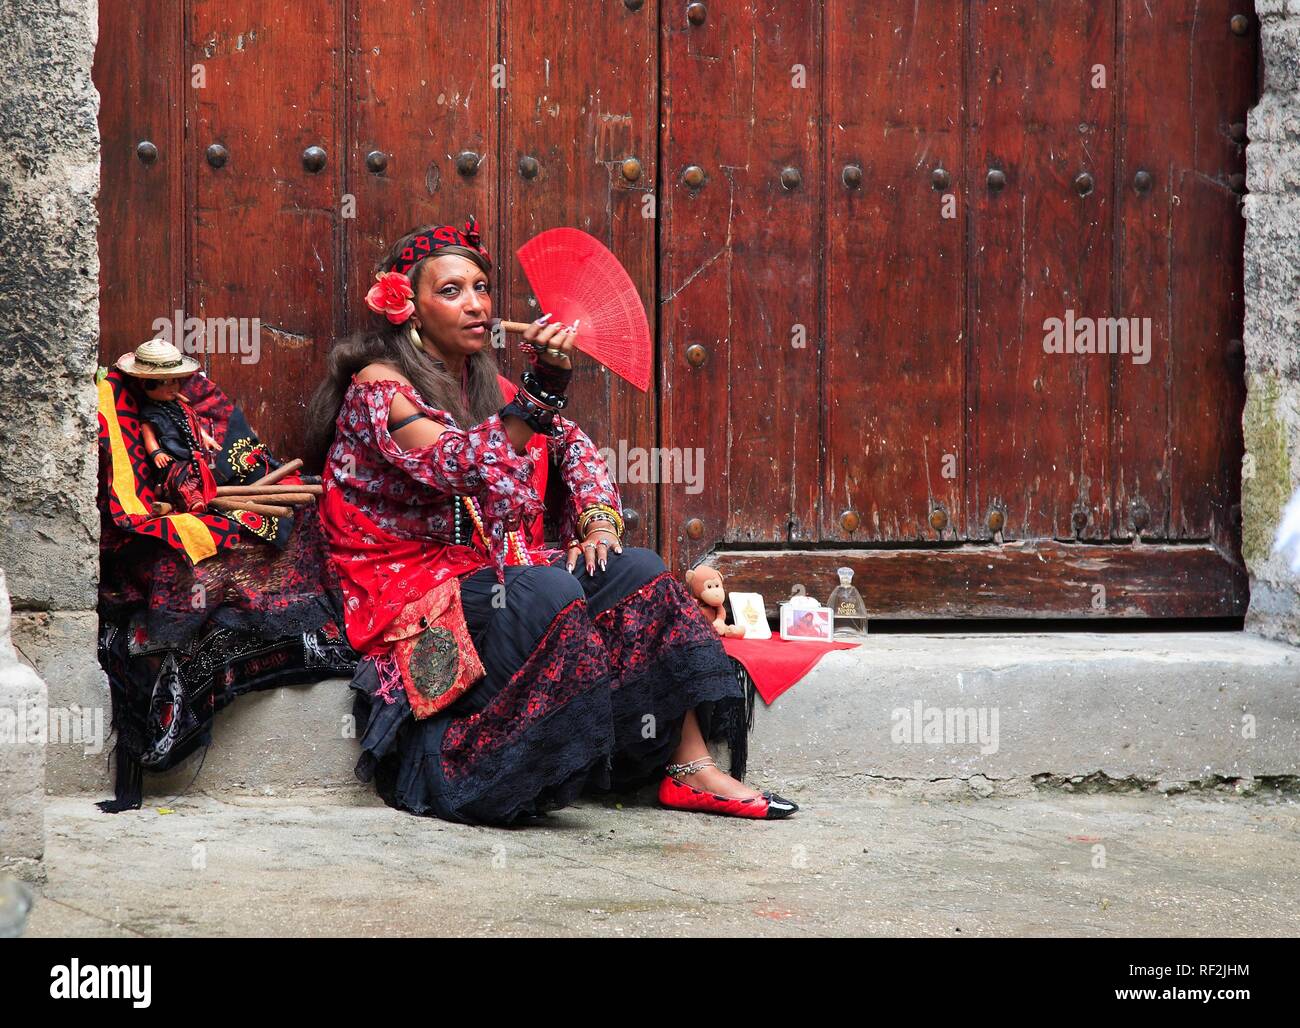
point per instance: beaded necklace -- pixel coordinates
(514, 539)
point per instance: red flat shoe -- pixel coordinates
(680, 796)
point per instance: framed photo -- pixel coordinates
(749, 611)
(799, 622)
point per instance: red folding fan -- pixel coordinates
(576, 279)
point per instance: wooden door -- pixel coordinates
(852, 224)
(968, 174)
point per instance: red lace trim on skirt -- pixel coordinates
(570, 660)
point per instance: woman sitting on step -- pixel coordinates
(502, 678)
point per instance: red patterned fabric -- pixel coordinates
(427, 244)
(661, 617)
(569, 660)
(254, 587)
(434, 624)
(127, 476)
(188, 484)
(389, 513)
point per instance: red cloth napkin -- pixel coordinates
(775, 664)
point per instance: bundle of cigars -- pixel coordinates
(267, 496)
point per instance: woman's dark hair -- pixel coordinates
(391, 344)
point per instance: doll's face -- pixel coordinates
(453, 294)
(713, 593)
(163, 390)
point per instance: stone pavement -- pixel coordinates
(861, 857)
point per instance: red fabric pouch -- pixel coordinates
(434, 651)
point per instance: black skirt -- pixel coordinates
(588, 679)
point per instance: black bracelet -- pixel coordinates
(534, 415)
(535, 406)
(542, 393)
(552, 379)
(536, 418)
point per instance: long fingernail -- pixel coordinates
(570, 567)
(602, 563)
(542, 320)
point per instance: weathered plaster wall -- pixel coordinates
(1271, 470)
(49, 339)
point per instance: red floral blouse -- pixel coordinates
(389, 513)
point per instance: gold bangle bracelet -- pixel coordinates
(600, 512)
(602, 525)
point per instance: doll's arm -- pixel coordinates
(155, 452)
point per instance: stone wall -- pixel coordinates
(22, 752)
(1271, 470)
(49, 337)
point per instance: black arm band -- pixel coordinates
(406, 421)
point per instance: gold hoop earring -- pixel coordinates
(415, 338)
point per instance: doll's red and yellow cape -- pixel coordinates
(126, 492)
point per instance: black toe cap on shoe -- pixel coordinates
(779, 806)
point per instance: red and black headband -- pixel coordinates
(427, 243)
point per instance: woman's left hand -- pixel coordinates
(595, 549)
(558, 350)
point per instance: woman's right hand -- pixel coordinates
(595, 550)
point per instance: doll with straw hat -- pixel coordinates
(175, 442)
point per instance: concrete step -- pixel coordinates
(271, 743)
(1153, 707)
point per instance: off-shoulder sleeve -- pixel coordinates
(583, 470)
(477, 461)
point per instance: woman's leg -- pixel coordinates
(627, 572)
(507, 623)
(710, 779)
(537, 727)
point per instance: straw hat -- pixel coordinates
(157, 359)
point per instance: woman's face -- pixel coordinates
(453, 302)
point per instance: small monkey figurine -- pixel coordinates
(705, 584)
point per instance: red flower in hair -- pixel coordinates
(471, 232)
(391, 296)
